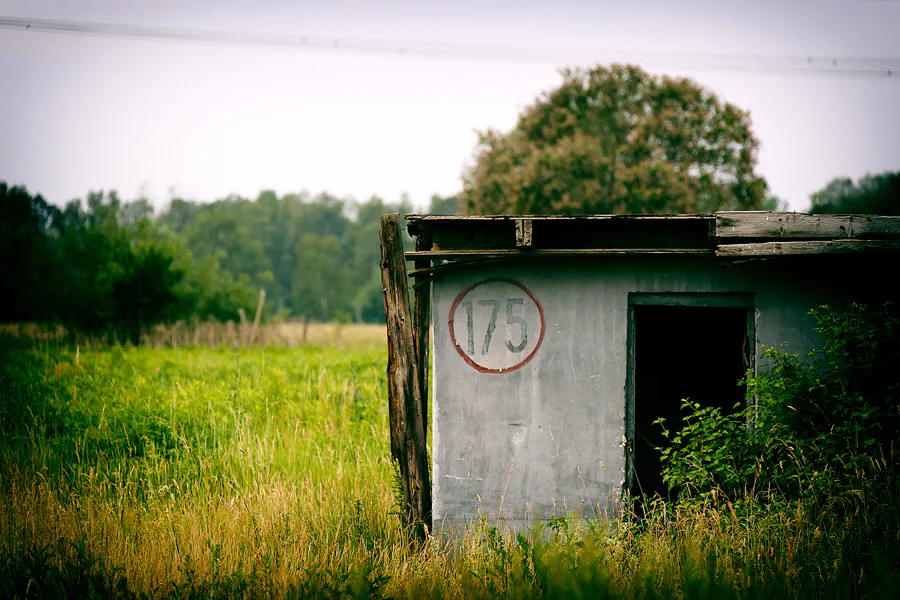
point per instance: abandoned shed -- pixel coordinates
(555, 342)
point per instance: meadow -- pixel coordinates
(264, 472)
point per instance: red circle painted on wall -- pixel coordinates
(500, 325)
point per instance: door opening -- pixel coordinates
(694, 352)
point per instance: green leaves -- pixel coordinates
(813, 427)
(113, 268)
(872, 194)
(708, 454)
(617, 140)
(322, 280)
(141, 288)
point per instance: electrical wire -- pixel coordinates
(884, 68)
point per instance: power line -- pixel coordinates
(885, 68)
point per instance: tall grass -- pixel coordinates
(181, 464)
(265, 473)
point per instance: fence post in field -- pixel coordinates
(242, 328)
(405, 404)
(258, 317)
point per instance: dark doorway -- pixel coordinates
(680, 352)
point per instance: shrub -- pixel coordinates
(815, 449)
(811, 426)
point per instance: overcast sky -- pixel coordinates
(204, 120)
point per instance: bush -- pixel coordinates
(812, 426)
(817, 447)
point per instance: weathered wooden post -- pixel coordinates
(422, 316)
(407, 421)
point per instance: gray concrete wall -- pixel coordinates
(547, 436)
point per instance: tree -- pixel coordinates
(368, 298)
(233, 246)
(90, 240)
(775, 203)
(140, 288)
(227, 229)
(874, 194)
(443, 205)
(100, 266)
(209, 292)
(179, 215)
(26, 243)
(617, 140)
(322, 278)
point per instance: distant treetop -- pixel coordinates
(618, 140)
(872, 194)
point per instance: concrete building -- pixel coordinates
(557, 341)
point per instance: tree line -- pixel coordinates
(102, 264)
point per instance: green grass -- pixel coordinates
(265, 473)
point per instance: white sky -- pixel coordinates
(204, 120)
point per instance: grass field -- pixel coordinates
(265, 473)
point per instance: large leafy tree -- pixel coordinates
(872, 194)
(618, 140)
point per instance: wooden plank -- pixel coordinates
(887, 224)
(871, 226)
(523, 233)
(408, 442)
(771, 225)
(449, 254)
(422, 324)
(762, 225)
(797, 248)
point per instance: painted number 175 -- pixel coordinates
(511, 319)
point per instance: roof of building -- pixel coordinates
(728, 235)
